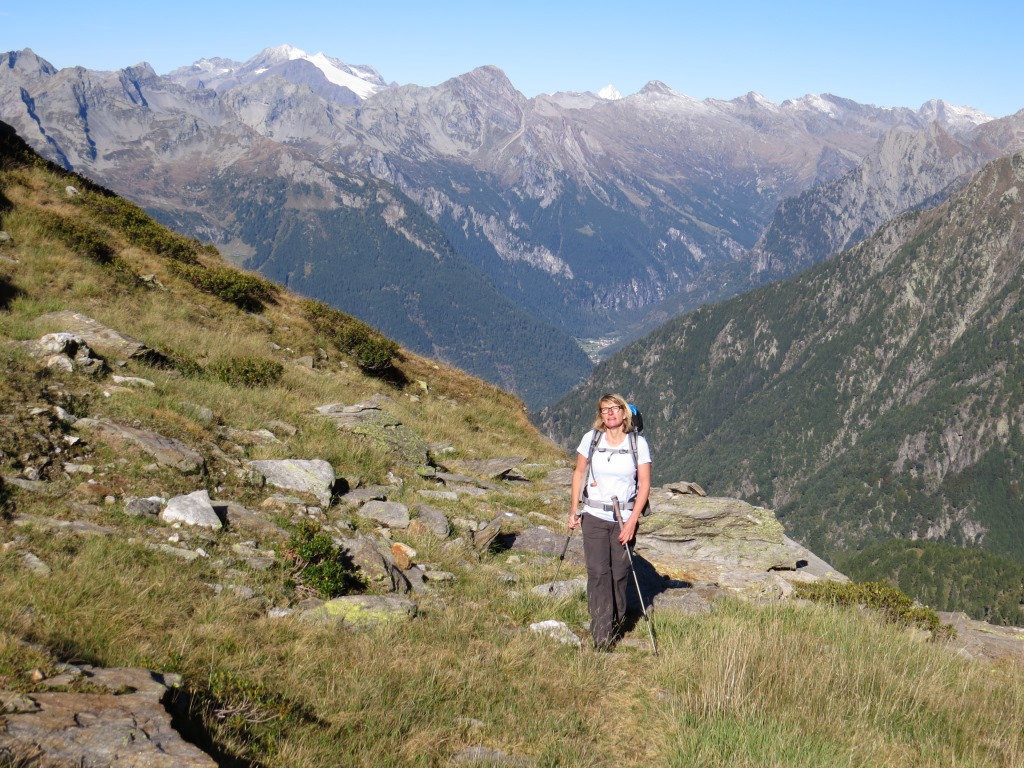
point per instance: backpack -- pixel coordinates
(638, 429)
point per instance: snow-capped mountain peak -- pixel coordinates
(223, 74)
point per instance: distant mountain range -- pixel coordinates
(878, 394)
(484, 228)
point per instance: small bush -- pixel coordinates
(372, 350)
(242, 289)
(247, 371)
(181, 362)
(893, 604)
(319, 565)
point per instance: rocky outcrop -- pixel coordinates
(128, 725)
(110, 343)
(65, 352)
(371, 420)
(165, 450)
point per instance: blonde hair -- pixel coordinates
(619, 400)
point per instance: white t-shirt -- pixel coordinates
(611, 472)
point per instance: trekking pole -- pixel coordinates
(561, 557)
(629, 554)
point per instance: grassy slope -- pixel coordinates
(745, 686)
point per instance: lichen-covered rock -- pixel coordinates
(389, 513)
(313, 476)
(370, 420)
(362, 611)
(708, 540)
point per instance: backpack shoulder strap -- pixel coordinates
(590, 462)
(633, 449)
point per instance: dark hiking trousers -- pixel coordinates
(607, 577)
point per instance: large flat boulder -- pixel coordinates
(126, 726)
(108, 342)
(164, 450)
(313, 476)
(728, 542)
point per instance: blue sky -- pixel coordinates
(884, 53)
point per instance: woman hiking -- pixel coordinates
(605, 469)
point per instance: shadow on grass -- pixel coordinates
(8, 293)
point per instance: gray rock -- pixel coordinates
(167, 549)
(32, 486)
(193, 509)
(313, 476)
(439, 495)
(495, 469)
(369, 493)
(373, 560)
(133, 381)
(34, 564)
(200, 413)
(561, 589)
(556, 630)
(542, 541)
(485, 757)
(113, 344)
(166, 450)
(66, 352)
(561, 476)
(433, 519)
(483, 537)
(417, 580)
(389, 513)
(248, 436)
(81, 527)
(727, 542)
(243, 519)
(148, 507)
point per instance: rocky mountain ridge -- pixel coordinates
(588, 216)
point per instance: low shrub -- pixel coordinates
(373, 351)
(247, 371)
(181, 362)
(319, 565)
(890, 602)
(139, 227)
(77, 236)
(244, 290)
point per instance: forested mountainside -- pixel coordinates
(946, 577)
(877, 395)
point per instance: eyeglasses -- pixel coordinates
(610, 409)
